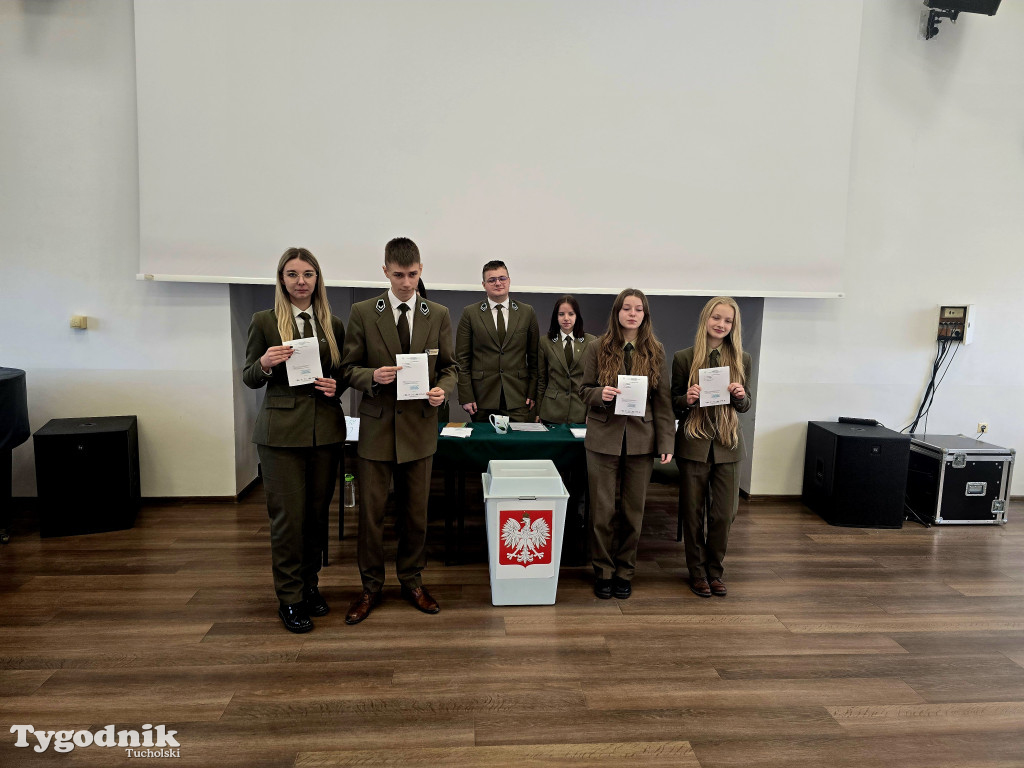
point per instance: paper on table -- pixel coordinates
(632, 397)
(414, 378)
(304, 365)
(578, 431)
(457, 431)
(527, 426)
(714, 386)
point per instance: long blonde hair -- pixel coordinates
(321, 306)
(648, 353)
(720, 420)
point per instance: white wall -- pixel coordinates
(936, 215)
(937, 191)
(69, 218)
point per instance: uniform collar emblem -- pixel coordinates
(424, 309)
(381, 304)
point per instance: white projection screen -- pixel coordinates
(688, 147)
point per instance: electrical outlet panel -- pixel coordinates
(956, 323)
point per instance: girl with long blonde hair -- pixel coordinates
(709, 442)
(299, 432)
(620, 447)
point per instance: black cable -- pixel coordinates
(941, 350)
(956, 348)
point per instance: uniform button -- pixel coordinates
(501, 371)
(398, 410)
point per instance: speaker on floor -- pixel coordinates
(855, 474)
(87, 475)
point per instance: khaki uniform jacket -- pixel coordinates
(693, 448)
(558, 387)
(389, 429)
(651, 433)
(293, 417)
(486, 367)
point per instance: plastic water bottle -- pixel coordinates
(350, 490)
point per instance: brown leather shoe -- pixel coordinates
(362, 606)
(718, 589)
(420, 599)
(700, 587)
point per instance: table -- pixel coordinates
(457, 456)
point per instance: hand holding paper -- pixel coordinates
(632, 398)
(714, 386)
(304, 365)
(413, 376)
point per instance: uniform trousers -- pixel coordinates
(614, 538)
(706, 526)
(299, 483)
(412, 490)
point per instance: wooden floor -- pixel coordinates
(835, 647)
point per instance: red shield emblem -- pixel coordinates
(524, 536)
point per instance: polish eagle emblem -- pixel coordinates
(525, 540)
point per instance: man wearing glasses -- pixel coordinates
(496, 346)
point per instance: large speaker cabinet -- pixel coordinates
(856, 475)
(87, 475)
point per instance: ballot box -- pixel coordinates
(524, 511)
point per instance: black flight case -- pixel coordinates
(953, 479)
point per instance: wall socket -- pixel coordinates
(982, 427)
(79, 321)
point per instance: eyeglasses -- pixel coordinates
(497, 280)
(307, 275)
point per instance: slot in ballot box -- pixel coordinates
(524, 517)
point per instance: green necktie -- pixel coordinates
(501, 323)
(568, 352)
(307, 327)
(715, 359)
(403, 328)
(627, 358)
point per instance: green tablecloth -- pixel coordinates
(473, 453)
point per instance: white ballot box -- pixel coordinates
(525, 518)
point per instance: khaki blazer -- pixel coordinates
(486, 367)
(293, 417)
(696, 449)
(651, 433)
(558, 386)
(390, 429)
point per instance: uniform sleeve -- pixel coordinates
(532, 337)
(252, 374)
(447, 365)
(464, 357)
(590, 390)
(542, 371)
(357, 374)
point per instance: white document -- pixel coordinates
(578, 431)
(714, 386)
(414, 378)
(632, 397)
(527, 426)
(351, 429)
(456, 431)
(304, 365)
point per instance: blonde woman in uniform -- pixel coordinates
(709, 443)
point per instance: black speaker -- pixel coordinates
(856, 475)
(87, 475)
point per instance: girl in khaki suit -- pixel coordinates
(709, 443)
(560, 365)
(620, 449)
(300, 432)
(559, 375)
